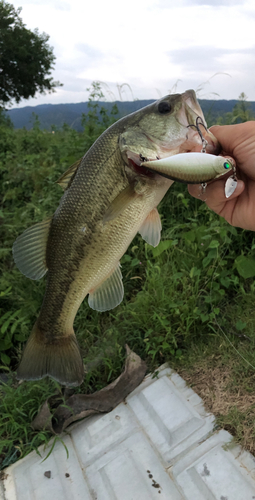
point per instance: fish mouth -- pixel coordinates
(198, 135)
(194, 137)
(135, 162)
(192, 132)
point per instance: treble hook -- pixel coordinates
(204, 141)
(201, 122)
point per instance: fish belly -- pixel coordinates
(110, 242)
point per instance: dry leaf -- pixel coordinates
(82, 405)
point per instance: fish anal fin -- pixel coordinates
(120, 203)
(108, 294)
(59, 359)
(65, 180)
(151, 228)
(29, 250)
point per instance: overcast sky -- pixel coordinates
(155, 46)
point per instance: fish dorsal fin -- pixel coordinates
(108, 294)
(119, 204)
(29, 250)
(151, 228)
(65, 178)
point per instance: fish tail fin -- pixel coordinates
(59, 359)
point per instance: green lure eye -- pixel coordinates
(227, 165)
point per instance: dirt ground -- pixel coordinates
(233, 404)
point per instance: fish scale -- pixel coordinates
(107, 200)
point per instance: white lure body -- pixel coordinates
(191, 167)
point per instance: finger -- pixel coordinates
(224, 134)
(231, 136)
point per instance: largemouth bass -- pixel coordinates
(108, 198)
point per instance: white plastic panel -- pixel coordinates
(101, 433)
(158, 444)
(211, 471)
(131, 471)
(172, 422)
(26, 479)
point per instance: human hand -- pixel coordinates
(237, 141)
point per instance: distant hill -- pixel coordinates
(59, 114)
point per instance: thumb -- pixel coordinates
(231, 136)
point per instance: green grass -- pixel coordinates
(188, 302)
(165, 316)
(19, 405)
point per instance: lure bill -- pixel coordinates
(191, 168)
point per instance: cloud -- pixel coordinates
(89, 51)
(219, 3)
(204, 58)
(197, 58)
(74, 84)
(184, 41)
(214, 71)
(164, 4)
(58, 4)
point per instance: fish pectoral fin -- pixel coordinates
(119, 204)
(65, 180)
(151, 228)
(59, 358)
(108, 294)
(29, 250)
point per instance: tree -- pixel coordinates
(26, 59)
(240, 113)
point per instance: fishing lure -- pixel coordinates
(191, 168)
(231, 182)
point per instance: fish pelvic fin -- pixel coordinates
(109, 293)
(59, 359)
(150, 229)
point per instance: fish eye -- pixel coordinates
(227, 165)
(164, 107)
